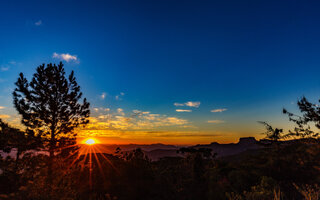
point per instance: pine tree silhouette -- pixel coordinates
(49, 106)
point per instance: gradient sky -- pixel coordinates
(140, 62)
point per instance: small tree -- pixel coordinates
(272, 134)
(14, 138)
(49, 106)
(310, 114)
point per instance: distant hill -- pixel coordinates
(222, 150)
(157, 151)
(111, 148)
(145, 147)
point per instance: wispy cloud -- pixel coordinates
(182, 134)
(4, 68)
(4, 116)
(65, 56)
(101, 109)
(216, 121)
(194, 104)
(181, 110)
(218, 110)
(2, 107)
(103, 95)
(38, 23)
(120, 111)
(7, 66)
(118, 97)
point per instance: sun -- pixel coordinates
(90, 141)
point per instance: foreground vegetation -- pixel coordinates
(286, 172)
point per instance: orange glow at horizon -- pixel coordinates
(162, 140)
(114, 137)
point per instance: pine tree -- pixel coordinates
(49, 106)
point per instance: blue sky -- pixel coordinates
(251, 58)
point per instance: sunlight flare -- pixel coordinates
(90, 141)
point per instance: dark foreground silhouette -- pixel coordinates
(288, 171)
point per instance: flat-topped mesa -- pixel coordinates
(247, 141)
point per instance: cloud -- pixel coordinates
(118, 97)
(103, 95)
(2, 107)
(38, 23)
(182, 134)
(219, 110)
(175, 121)
(65, 56)
(101, 109)
(194, 104)
(4, 68)
(4, 116)
(181, 110)
(132, 121)
(120, 111)
(215, 121)
(108, 116)
(7, 66)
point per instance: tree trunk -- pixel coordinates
(51, 154)
(50, 164)
(17, 159)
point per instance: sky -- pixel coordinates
(173, 72)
